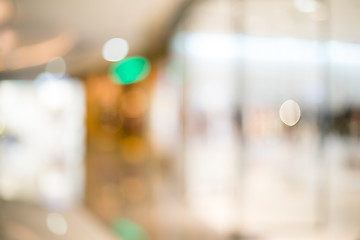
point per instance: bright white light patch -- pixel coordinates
(53, 186)
(56, 66)
(290, 112)
(57, 223)
(115, 49)
(54, 94)
(306, 6)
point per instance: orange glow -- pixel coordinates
(8, 39)
(133, 188)
(134, 103)
(133, 149)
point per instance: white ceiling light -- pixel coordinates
(115, 49)
(290, 112)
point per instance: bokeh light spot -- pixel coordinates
(130, 70)
(115, 49)
(290, 112)
(57, 223)
(128, 230)
(56, 66)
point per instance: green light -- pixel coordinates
(130, 70)
(128, 230)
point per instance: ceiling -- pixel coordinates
(84, 26)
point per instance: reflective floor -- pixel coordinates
(20, 221)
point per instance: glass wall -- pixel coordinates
(268, 115)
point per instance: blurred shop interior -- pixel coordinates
(180, 120)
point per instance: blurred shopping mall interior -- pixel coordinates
(180, 120)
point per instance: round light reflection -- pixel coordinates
(57, 223)
(115, 49)
(56, 66)
(290, 112)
